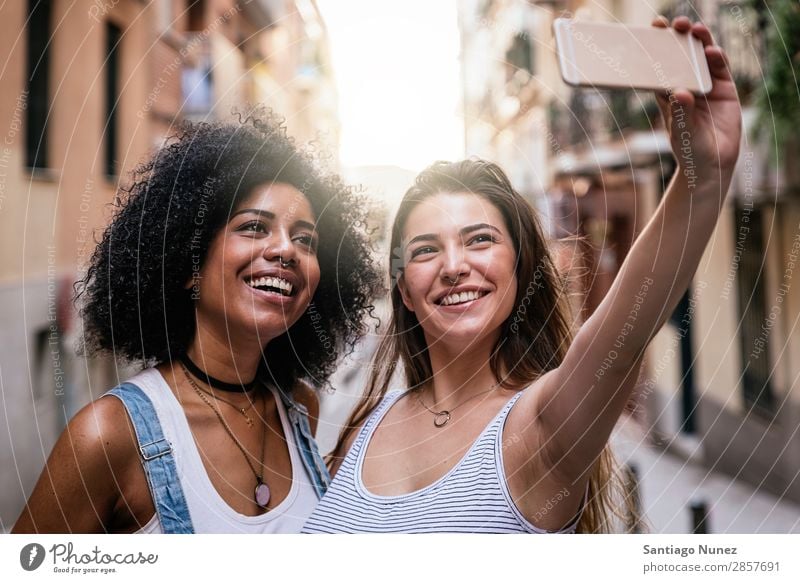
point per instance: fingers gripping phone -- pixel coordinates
(615, 56)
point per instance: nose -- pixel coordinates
(279, 247)
(454, 266)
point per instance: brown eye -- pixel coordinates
(307, 240)
(422, 251)
(253, 227)
(482, 238)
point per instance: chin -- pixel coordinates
(267, 329)
(464, 337)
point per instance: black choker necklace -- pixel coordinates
(215, 383)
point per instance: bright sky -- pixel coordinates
(397, 69)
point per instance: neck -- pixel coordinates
(459, 374)
(222, 357)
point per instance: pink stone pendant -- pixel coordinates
(262, 494)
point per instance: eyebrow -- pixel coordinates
(465, 231)
(261, 212)
(271, 216)
(478, 227)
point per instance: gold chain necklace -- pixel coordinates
(242, 410)
(441, 418)
(261, 494)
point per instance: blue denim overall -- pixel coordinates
(159, 462)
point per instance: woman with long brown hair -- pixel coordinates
(506, 420)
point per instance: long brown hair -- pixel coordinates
(534, 338)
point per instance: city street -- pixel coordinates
(481, 178)
(668, 486)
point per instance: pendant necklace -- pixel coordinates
(441, 418)
(261, 494)
(242, 410)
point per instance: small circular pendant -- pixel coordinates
(262, 495)
(441, 418)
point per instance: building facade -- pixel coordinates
(720, 382)
(89, 88)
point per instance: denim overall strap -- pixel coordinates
(157, 460)
(306, 444)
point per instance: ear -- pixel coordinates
(401, 285)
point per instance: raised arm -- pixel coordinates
(577, 405)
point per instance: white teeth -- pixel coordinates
(462, 297)
(276, 282)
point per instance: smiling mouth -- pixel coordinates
(276, 285)
(461, 298)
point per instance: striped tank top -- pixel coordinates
(473, 497)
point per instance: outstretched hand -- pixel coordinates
(708, 142)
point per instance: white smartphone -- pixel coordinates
(615, 56)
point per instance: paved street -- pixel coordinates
(669, 484)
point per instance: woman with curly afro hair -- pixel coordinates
(237, 272)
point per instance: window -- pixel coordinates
(519, 56)
(754, 337)
(113, 37)
(682, 319)
(196, 10)
(198, 88)
(740, 29)
(674, 8)
(38, 83)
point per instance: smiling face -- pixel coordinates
(261, 270)
(459, 276)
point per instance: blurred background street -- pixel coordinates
(381, 89)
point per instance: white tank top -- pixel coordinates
(209, 512)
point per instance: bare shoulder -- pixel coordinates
(106, 416)
(78, 488)
(100, 435)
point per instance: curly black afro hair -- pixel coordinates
(134, 301)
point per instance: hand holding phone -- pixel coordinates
(701, 109)
(615, 56)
